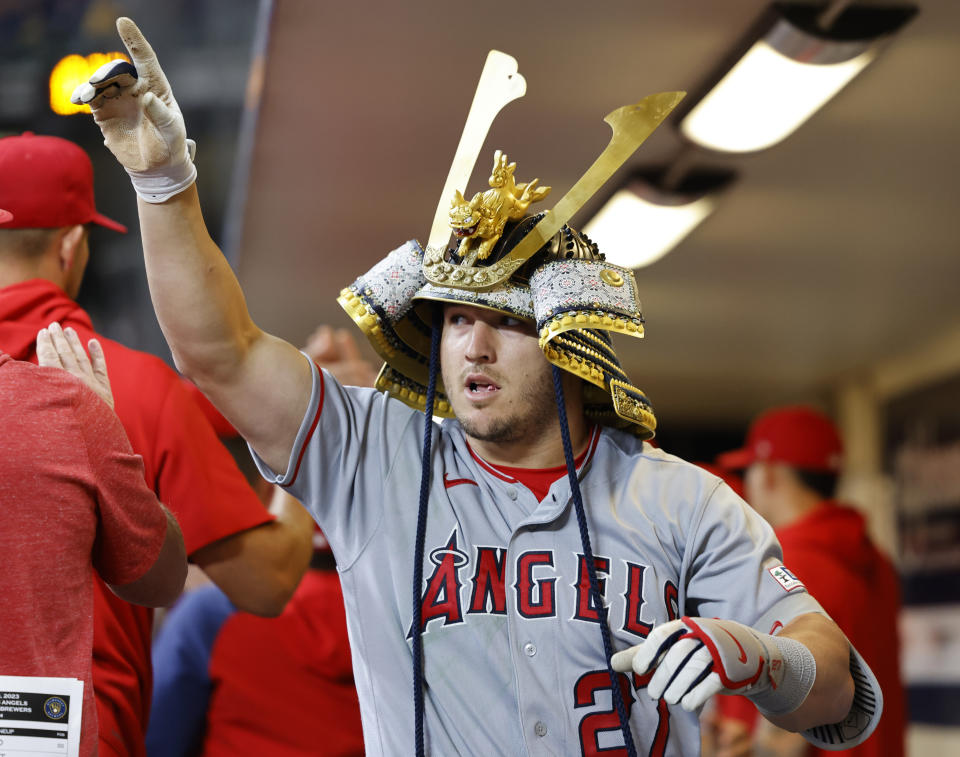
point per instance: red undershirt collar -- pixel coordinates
(538, 480)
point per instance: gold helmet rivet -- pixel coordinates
(611, 277)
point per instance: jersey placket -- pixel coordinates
(535, 580)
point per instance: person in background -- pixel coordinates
(74, 505)
(230, 683)
(791, 462)
(256, 558)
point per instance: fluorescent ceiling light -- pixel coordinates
(765, 98)
(641, 222)
(632, 232)
(790, 68)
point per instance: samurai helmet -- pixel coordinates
(566, 287)
(535, 267)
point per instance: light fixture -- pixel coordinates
(795, 58)
(650, 214)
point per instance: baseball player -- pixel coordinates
(567, 576)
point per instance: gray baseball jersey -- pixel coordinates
(513, 658)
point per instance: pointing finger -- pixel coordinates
(143, 57)
(141, 53)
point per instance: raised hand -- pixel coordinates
(140, 120)
(61, 348)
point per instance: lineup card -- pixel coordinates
(40, 717)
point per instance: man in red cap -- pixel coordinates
(257, 559)
(791, 462)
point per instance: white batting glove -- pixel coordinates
(140, 120)
(696, 658)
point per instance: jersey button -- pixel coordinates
(529, 649)
(512, 492)
(540, 728)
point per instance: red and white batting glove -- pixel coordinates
(695, 658)
(141, 122)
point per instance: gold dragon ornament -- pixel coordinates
(480, 222)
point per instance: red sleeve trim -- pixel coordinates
(313, 426)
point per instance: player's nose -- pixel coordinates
(481, 346)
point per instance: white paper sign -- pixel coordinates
(40, 717)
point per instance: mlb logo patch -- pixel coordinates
(785, 578)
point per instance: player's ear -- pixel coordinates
(69, 245)
(771, 476)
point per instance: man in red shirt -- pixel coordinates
(256, 558)
(792, 459)
(74, 505)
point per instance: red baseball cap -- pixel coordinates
(5, 215)
(796, 435)
(47, 183)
